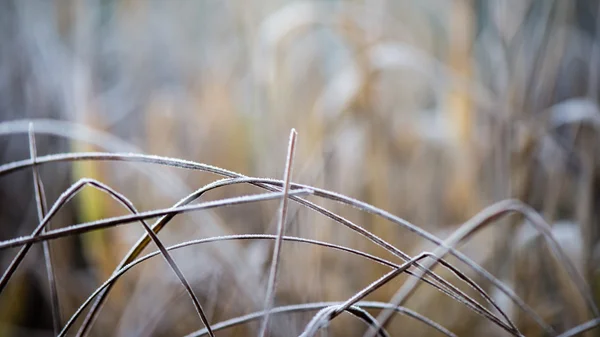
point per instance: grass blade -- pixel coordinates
(272, 283)
(41, 203)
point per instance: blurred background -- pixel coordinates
(430, 109)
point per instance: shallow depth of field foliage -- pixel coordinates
(286, 168)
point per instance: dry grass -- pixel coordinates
(445, 179)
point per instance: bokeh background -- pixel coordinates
(428, 109)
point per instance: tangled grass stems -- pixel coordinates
(463, 297)
(111, 281)
(485, 218)
(141, 244)
(336, 311)
(69, 194)
(272, 282)
(320, 305)
(474, 305)
(124, 219)
(77, 131)
(185, 164)
(185, 283)
(65, 196)
(446, 287)
(42, 206)
(530, 216)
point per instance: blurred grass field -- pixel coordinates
(430, 110)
